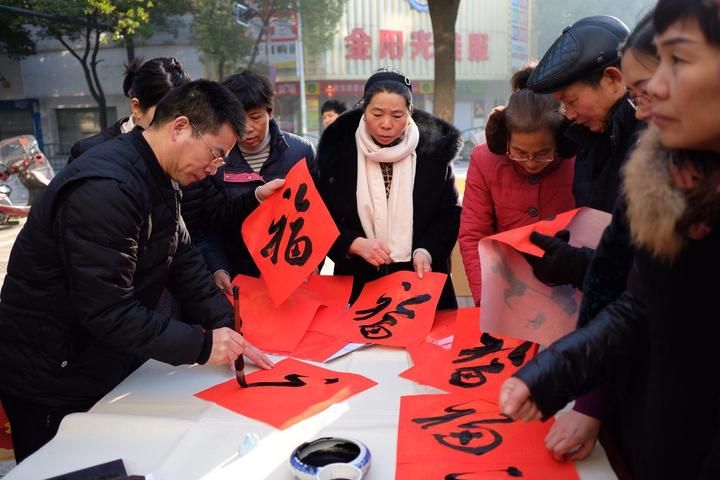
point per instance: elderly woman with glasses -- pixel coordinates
(523, 173)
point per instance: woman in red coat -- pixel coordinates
(524, 173)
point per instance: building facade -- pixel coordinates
(47, 95)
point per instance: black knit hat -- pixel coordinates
(387, 76)
(588, 46)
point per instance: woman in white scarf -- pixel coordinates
(386, 177)
(386, 140)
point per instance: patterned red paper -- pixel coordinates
(442, 430)
(475, 371)
(290, 233)
(289, 392)
(397, 309)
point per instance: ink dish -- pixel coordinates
(309, 458)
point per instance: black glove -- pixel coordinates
(562, 263)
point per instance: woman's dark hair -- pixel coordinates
(706, 12)
(520, 78)
(150, 81)
(252, 89)
(526, 112)
(641, 41)
(387, 81)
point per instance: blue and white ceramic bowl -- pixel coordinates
(307, 459)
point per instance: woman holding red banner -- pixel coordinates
(658, 341)
(524, 172)
(386, 176)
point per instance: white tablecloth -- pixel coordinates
(155, 424)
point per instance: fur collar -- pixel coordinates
(439, 141)
(654, 205)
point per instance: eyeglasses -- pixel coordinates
(218, 160)
(637, 99)
(545, 158)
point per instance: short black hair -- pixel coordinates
(706, 12)
(150, 81)
(207, 104)
(252, 89)
(333, 105)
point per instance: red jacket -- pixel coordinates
(500, 195)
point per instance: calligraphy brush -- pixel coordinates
(239, 361)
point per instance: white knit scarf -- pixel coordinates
(388, 219)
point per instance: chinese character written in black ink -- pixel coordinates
(378, 330)
(474, 375)
(299, 248)
(291, 380)
(470, 437)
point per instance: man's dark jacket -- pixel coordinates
(85, 144)
(600, 156)
(221, 243)
(86, 271)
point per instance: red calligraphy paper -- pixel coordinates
(475, 370)
(333, 291)
(443, 329)
(453, 430)
(290, 233)
(289, 392)
(397, 309)
(463, 471)
(269, 327)
(315, 346)
(514, 302)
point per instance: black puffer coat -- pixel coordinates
(436, 211)
(657, 343)
(85, 273)
(82, 146)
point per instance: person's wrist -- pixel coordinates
(423, 251)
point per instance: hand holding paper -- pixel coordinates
(264, 191)
(562, 263)
(515, 401)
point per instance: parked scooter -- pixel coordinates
(10, 213)
(21, 155)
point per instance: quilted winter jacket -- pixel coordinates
(101, 243)
(500, 195)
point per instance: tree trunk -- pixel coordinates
(220, 70)
(130, 48)
(89, 68)
(443, 14)
(100, 98)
